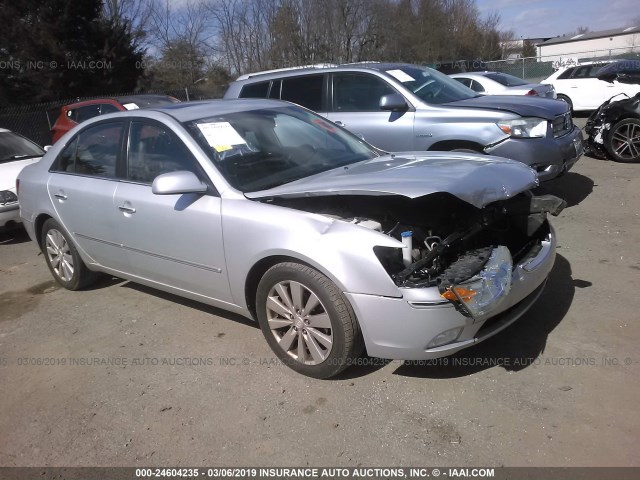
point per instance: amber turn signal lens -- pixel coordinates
(465, 294)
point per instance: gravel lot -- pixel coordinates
(192, 385)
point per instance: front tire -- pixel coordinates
(307, 321)
(567, 100)
(63, 258)
(623, 143)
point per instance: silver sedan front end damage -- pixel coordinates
(424, 325)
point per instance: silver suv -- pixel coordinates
(401, 107)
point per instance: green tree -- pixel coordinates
(528, 49)
(180, 65)
(55, 49)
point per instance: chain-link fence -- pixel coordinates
(536, 69)
(35, 121)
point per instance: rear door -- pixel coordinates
(174, 240)
(585, 90)
(355, 105)
(81, 186)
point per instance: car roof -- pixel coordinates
(187, 111)
(292, 72)
(142, 98)
(474, 74)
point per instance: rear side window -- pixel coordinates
(566, 74)
(465, 81)
(93, 152)
(476, 87)
(255, 90)
(107, 108)
(87, 112)
(305, 91)
(276, 85)
(154, 150)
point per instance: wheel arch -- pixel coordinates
(257, 271)
(448, 145)
(37, 226)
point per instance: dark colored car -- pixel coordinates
(614, 129)
(72, 115)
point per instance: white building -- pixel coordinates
(606, 43)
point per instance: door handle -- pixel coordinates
(339, 123)
(60, 196)
(124, 209)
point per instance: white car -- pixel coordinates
(16, 152)
(498, 83)
(582, 90)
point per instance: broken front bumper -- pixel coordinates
(404, 328)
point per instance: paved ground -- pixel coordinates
(196, 386)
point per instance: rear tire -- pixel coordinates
(63, 258)
(623, 141)
(307, 321)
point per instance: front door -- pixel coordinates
(356, 107)
(174, 240)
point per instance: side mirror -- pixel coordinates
(179, 182)
(393, 102)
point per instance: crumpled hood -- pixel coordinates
(476, 179)
(9, 172)
(523, 105)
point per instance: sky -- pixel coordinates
(551, 18)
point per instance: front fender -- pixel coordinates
(343, 252)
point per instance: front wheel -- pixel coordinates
(623, 142)
(63, 258)
(307, 321)
(567, 100)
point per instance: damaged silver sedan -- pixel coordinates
(270, 211)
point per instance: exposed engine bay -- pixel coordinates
(447, 240)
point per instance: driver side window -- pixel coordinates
(154, 150)
(358, 92)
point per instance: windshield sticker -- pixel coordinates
(221, 135)
(130, 106)
(400, 75)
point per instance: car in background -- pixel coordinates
(76, 113)
(399, 107)
(580, 87)
(16, 152)
(614, 129)
(266, 209)
(498, 83)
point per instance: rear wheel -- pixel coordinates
(623, 143)
(306, 320)
(63, 258)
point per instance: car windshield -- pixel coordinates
(265, 148)
(505, 79)
(430, 85)
(14, 147)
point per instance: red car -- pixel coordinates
(72, 115)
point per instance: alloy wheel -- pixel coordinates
(299, 322)
(626, 141)
(59, 255)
